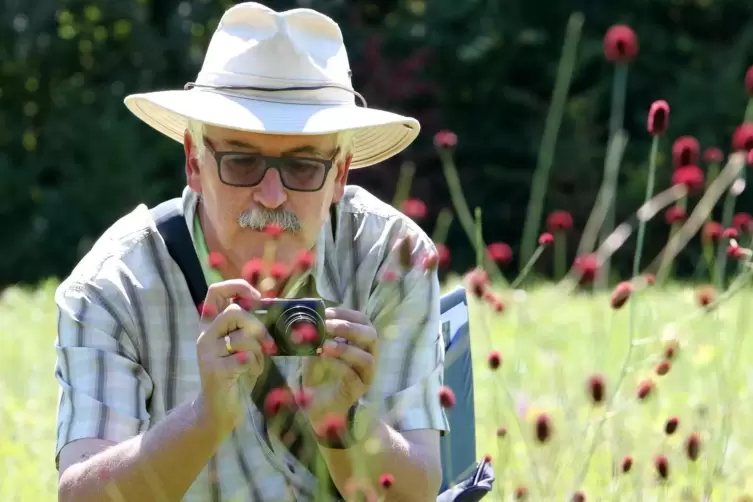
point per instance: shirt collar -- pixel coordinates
(324, 272)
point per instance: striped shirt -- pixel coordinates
(127, 330)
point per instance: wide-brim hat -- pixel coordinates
(277, 73)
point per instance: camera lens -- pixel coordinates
(298, 317)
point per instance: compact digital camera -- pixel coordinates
(288, 319)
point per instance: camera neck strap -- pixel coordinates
(171, 224)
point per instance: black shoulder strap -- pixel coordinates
(171, 224)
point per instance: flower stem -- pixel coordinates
(404, 182)
(479, 240)
(749, 111)
(527, 268)
(560, 255)
(721, 253)
(549, 138)
(649, 194)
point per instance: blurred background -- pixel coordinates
(73, 159)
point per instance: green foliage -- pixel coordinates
(73, 159)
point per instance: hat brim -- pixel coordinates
(379, 134)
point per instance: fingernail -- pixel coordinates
(330, 344)
(329, 312)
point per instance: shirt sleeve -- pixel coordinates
(404, 308)
(103, 388)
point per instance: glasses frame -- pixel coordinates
(271, 163)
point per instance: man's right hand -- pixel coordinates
(220, 371)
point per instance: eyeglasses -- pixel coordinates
(300, 174)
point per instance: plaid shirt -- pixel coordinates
(127, 330)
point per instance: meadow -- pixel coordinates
(551, 347)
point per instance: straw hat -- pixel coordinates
(277, 73)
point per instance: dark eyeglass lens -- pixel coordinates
(242, 169)
(248, 170)
(302, 173)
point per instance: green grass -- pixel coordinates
(550, 344)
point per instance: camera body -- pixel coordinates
(296, 325)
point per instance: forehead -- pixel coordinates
(269, 143)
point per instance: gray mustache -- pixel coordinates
(259, 219)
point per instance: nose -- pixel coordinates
(270, 193)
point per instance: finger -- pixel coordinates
(250, 362)
(234, 318)
(346, 315)
(239, 340)
(360, 361)
(361, 335)
(222, 294)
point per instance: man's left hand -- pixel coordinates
(342, 373)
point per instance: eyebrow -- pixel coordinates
(301, 149)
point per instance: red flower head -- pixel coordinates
(252, 271)
(663, 368)
(578, 497)
(207, 310)
(303, 397)
(446, 397)
(276, 400)
(675, 214)
(543, 428)
(749, 81)
(445, 139)
(685, 151)
(742, 140)
(693, 446)
(444, 255)
(645, 388)
(671, 348)
(735, 251)
(477, 282)
(713, 155)
(627, 464)
(304, 261)
(499, 252)
(691, 176)
(386, 480)
(278, 271)
(304, 333)
(650, 279)
(743, 222)
(730, 233)
(501, 431)
(750, 158)
(559, 221)
(546, 239)
(712, 231)
(495, 359)
(596, 389)
(621, 294)
(521, 493)
(273, 230)
(269, 347)
(670, 427)
(658, 118)
(587, 266)
(620, 44)
(706, 296)
(216, 259)
(414, 208)
(661, 463)
(332, 427)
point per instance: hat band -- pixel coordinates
(253, 89)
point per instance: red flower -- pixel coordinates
(215, 259)
(499, 252)
(444, 255)
(546, 239)
(207, 310)
(559, 221)
(730, 233)
(497, 305)
(243, 302)
(689, 175)
(521, 493)
(620, 44)
(501, 431)
(446, 397)
(587, 266)
(675, 214)
(713, 155)
(477, 282)
(268, 347)
(273, 230)
(671, 425)
(303, 397)
(304, 261)
(658, 117)
(706, 296)
(742, 140)
(750, 158)
(251, 271)
(650, 279)
(749, 81)
(390, 275)
(386, 480)
(332, 427)
(712, 231)
(621, 294)
(276, 400)
(445, 139)
(662, 466)
(685, 151)
(278, 271)
(543, 428)
(735, 251)
(495, 360)
(596, 389)
(241, 356)
(414, 208)
(304, 333)
(693, 446)
(670, 349)
(743, 222)
(578, 497)
(663, 368)
(627, 464)
(645, 388)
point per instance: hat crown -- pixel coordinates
(255, 46)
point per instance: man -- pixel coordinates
(154, 401)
